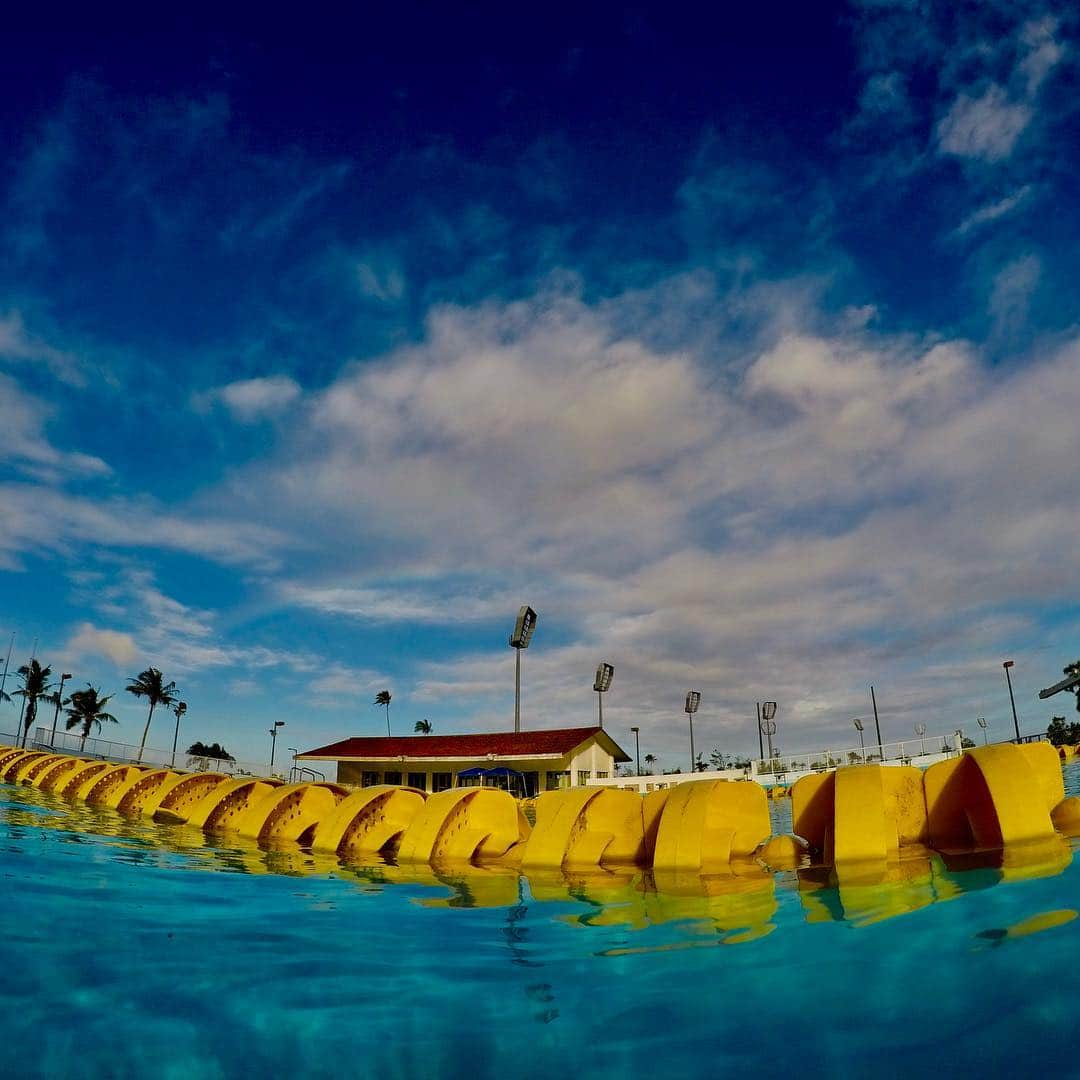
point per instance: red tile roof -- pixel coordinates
(556, 741)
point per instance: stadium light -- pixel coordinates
(602, 684)
(59, 701)
(637, 747)
(519, 639)
(920, 730)
(862, 742)
(693, 700)
(273, 740)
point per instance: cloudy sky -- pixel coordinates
(746, 352)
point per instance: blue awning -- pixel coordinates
(498, 771)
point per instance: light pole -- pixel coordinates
(877, 726)
(920, 730)
(519, 639)
(7, 664)
(1016, 723)
(273, 741)
(760, 743)
(56, 715)
(294, 751)
(981, 721)
(602, 684)
(181, 708)
(862, 742)
(637, 747)
(693, 700)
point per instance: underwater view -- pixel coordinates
(135, 949)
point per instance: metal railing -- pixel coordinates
(909, 752)
(65, 742)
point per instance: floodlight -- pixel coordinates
(523, 628)
(519, 639)
(693, 700)
(858, 724)
(920, 728)
(604, 674)
(768, 710)
(981, 721)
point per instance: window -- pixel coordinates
(557, 780)
(369, 779)
(583, 777)
(418, 780)
(442, 781)
(392, 778)
(601, 776)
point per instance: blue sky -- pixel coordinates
(745, 351)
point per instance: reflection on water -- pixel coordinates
(731, 908)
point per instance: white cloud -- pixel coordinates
(387, 604)
(985, 127)
(38, 518)
(1043, 52)
(834, 506)
(828, 510)
(993, 211)
(24, 444)
(380, 278)
(17, 343)
(114, 645)
(1011, 293)
(250, 400)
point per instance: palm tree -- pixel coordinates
(383, 698)
(88, 708)
(151, 685)
(178, 709)
(35, 679)
(423, 727)
(650, 760)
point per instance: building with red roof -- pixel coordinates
(524, 761)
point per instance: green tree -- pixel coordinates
(423, 727)
(650, 761)
(214, 750)
(1058, 731)
(87, 708)
(383, 698)
(151, 685)
(35, 685)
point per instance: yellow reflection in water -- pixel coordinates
(732, 908)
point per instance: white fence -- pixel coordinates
(918, 751)
(790, 767)
(65, 742)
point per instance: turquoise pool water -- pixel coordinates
(136, 950)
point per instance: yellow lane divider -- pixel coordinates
(862, 824)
